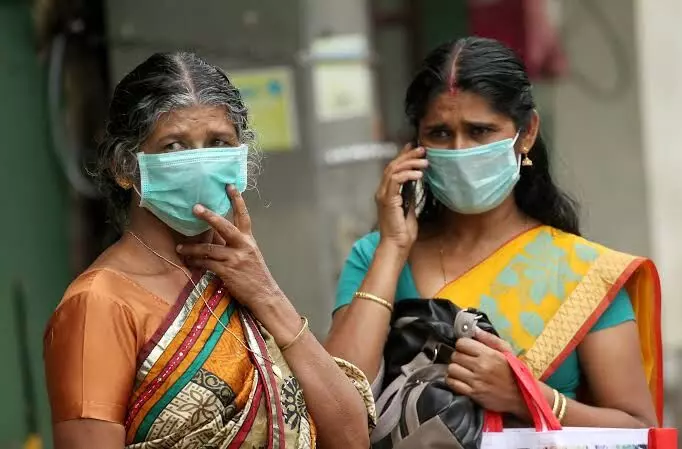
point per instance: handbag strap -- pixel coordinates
(539, 409)
(389, 404)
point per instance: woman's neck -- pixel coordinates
(159, 238)
(501, 223)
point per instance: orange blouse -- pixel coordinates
(91, 345)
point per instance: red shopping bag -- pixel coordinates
(548, 432)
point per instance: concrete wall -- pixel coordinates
(614, 147)
(597, 138)
(659, 44)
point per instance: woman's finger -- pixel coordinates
(217, 239)
(458, 372)
(412, 164)
(492, 341)
(204, 251)
(242, 219)
(221, 225)
(408, 153)
(398, 179)
(465, 360)
(459, 387)
(206, 264)
(470, 347)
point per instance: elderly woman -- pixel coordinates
(177, 336)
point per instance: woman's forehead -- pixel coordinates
(194, 119)
(462, 105)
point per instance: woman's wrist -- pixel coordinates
(520, 409)
(279, 317)
(391, 252)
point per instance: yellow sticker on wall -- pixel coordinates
(269, 95)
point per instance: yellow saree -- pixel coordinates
(545, 289)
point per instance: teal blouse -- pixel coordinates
(566, 378)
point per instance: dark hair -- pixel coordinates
(162, 83)
(488, 68)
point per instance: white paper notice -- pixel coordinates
(343, 90)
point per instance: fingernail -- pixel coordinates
(199, 209)
(178, 248)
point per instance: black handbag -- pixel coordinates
(415, 406)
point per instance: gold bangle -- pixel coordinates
(303, 329)
(374, 298)
(562, 412)
(556, 402)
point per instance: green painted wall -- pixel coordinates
(33, 224)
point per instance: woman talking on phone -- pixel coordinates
(489, 229)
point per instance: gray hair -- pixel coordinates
(162, 83)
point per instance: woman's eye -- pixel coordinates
(220, 143)
(439, 134)
(173, 146)
(479, 131)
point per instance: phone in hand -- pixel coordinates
(407, 191)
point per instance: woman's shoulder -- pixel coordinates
(94, 291)
(582, 246)
(367, 244)
(102, 290)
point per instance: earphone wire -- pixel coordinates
(196, 288)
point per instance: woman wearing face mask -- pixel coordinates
(177, 335)
(494, 232)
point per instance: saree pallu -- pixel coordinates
(545, 289)
(198, 386)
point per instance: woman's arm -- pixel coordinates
(337, 409)
(88, 433)
(335, 405)
(612, 365)
(90, 356)
(359, 330)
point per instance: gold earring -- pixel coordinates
(526, 161)
(124, 183)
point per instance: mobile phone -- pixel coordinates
(407, 191)
(407, 194)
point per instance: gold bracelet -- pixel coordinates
(562, 412)
(556, 402)
(374, 298)
(303, 329)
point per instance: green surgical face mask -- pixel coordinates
(172, 183)
(473, 180)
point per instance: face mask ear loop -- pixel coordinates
(518, 156)
(139, 194)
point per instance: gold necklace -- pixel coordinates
(442, 261)
(275, 368)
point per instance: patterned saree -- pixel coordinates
(198, 386)
(545, 289)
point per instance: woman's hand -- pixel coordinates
(479, 370)
(234, 255)
(394, 227)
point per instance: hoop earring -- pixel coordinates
(526, 161)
